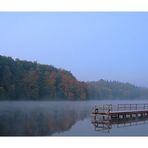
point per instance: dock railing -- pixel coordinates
(132, 107)
(106, 108)
(103, 108)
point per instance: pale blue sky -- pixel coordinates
(112, 46)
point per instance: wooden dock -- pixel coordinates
(122, 115)
(120, 111)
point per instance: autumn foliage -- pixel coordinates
(21, 80)
(24, 80)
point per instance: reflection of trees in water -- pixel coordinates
(39, 121)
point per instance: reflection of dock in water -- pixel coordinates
(106, 126)
(105, 117)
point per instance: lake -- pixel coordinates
(63, 118)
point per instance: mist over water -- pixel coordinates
(47, 118)
(40, 118)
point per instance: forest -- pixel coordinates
(25, 80)
(115, 90)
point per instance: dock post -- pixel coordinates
(124, 116)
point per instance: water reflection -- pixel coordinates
(60, 119)
(106, 125)
(44, 119)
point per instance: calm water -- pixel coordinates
(62, 119)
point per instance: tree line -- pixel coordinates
(115, 90)
(25, 80)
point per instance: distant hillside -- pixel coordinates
(23, 80)
(115, 90)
